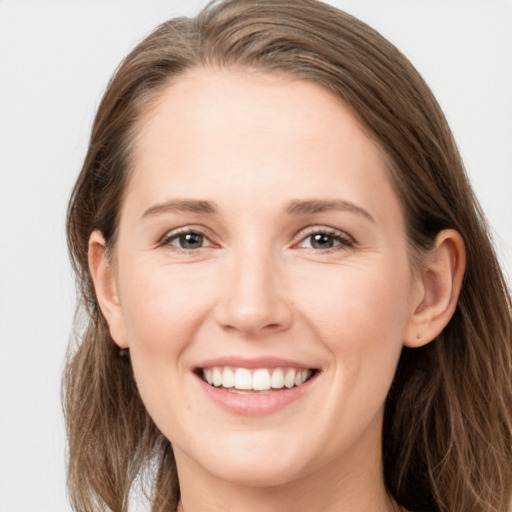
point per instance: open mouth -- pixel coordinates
(255, 381)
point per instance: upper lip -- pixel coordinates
(256, 362)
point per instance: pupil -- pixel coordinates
(191, 240)
(321, 241)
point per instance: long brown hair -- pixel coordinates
(447, 441)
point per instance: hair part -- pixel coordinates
(448, 420)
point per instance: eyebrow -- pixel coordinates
(318, 205)
(182, 205)
(296, 207)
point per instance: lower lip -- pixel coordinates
(255, 404)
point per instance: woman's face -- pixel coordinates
(261, 247)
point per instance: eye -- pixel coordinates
(325, 240)
(186, 240)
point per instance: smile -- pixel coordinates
(255, 386)
(260, 380)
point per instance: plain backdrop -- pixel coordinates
(55, 60)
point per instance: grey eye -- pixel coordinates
(189, 241)
(324, 240)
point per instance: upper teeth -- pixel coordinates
(259, 380)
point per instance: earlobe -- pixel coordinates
(438, 285)
(105, 287)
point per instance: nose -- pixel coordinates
(253, 300)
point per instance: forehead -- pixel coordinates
(246, 130)
(219, 102)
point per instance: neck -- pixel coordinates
(267, 502)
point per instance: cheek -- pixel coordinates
(360, 316)
(362, 327)
(163, 308)
(356, 300)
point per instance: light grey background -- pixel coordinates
(55, 60)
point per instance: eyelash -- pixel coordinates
(341, 239)
(175, 235)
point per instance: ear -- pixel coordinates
(105, 286)
(437, 289)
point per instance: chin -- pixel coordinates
(253, 473)
(251, 460)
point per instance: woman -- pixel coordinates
(291, 298)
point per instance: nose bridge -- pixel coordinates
(253, 297)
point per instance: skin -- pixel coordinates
(251, 145)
